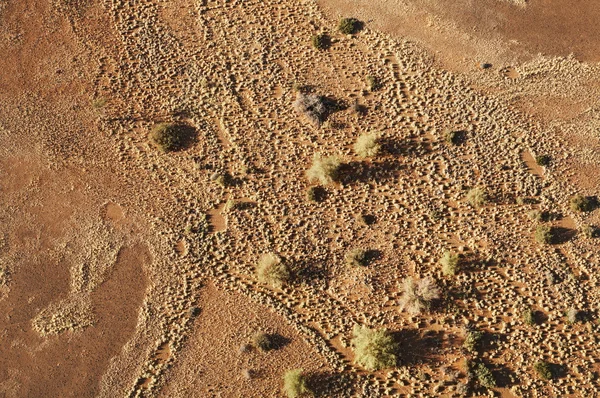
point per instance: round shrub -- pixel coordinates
(348, 26)
(356, 257)
(272, 270)
(367, 145)
(477, 197)
(295, 383)
(449, 263)
(324, 170)
(543, 370)
(544, 234)
(374, 349)
(168, 137)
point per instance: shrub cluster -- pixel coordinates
(367, 145)
(168, 137)
(543, 370)
(374, 349)
(312, 106)
(320, 41)
(544, 234)
(295, 383)
(356, 257)
(582, 203)
(324, 170)
(477, 197)
(348, 26)
(542, 160)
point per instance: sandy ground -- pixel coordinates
(123, 272)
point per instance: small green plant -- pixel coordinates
(529, 317)
(367, 145)
(232, 204)
(589, 231)
(272, 270)
(539, 216)
(295, 383)
(319, 41)
(356, 257)
(477, 197)
(348, 26)
(263, 341)
(543, 370)
(544, 234)
(472, 340)
(373, 83)
(449, 263)
(374, 349)
(484, 375)
(324, 170)
(451, 137)
(542, 160)
(168, 137)
(315, 194)
(581, 203)
(417, 294)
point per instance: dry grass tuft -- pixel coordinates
(417, 294)
(272, 270)
(324, 170)
(374, 349)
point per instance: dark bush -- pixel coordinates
(349, 26)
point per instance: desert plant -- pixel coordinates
(542, 160)
(529, 317)
(417, 294)
(311, 106)
(348, 26)
(319, 41)
(263, 341)
(168, 137)
(484, 375)
(581, 203)
(589, 231)
(356, 257)
(295, 383)
(449, 263)
(543, 370)
(544, 234)
(472, 340)
(373, 83)
(99, 103)
(272, 270)
(367, 145)
(477, 197)
(374, 349)
(572, 315)
(324, 170)
(452, 137)
(537, 215)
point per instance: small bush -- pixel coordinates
(417, 294)
(589, 231)
(449, 263)
(99, 103)
(484, 376)
(324, 170)
(295, 383)
(572, 315)
(529, 317)
(272, 270)
(373, 83)
(320, 41)
(315, 194)
(472, 340)
(539, 216)
(581, 203)
(452, 137)
(168, 137)
(477, 197)
(356, 257)
(311, 106)
(542, 160)
(543, 370)
(367, 145)
(374, 349)
(544, 234)
(348, 26)
(263, 341)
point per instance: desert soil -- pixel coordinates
(124, 271)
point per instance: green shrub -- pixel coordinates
(472, 340)
(324, 170)
(542, 160)
(581, 203)
(295, 383)
(374, 349)
(543, 370)
(168, 137)
(589, 231)
(529, 317)
(272, 270)
(373, 83)
(544, 234)
(484, 376)
(263, 341)
(356, 257)
(451, 137)
(449, 263)
(314, 194)
(537, 215)
(477, 197)
(367, 145)
(319, 41)
(348, 26)
(417, 294)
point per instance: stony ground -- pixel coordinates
(124, 273)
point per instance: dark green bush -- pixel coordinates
(349, 26)
(169, 137)
(320, 41)
(582, 203)
(544, 234)
(543, 370)
(374, 349)
(542, 160)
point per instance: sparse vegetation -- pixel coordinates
(449, 263)
(168, 137)
(319, 41)
(572, 315)
(99, 103)
(589, 231)
(452, 137)
(477, 197)
(348, 26)
(543, 370)
(484, 375)
(373, 83)
(374, 349)
(356, 257)
(529, 317)
(272, 270)
(324, 170)
(581, 203)
(472, 340)
(417, 294)
(367, 145)
(544, 234)
(311, 106)
(542, 160)
(295, 383)
(263, 341)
